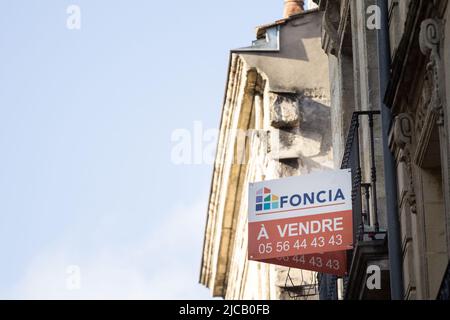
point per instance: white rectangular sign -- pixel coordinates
(307, 214)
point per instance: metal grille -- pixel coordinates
(303, 290)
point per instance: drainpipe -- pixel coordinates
(390, 175)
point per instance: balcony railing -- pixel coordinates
(364, 193)
(300, 289)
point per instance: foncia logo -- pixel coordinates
(265, 200)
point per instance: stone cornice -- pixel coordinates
(227, 178)
(336, 26)
(408, 61)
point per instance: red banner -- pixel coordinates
(300, 236)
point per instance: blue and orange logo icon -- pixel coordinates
(265, 200)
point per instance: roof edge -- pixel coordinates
(260, 30)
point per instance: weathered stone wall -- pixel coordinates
(283, 97)
(295, 139)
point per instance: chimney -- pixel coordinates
(292, 7)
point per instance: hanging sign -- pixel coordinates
(300, 216)
(334, 263)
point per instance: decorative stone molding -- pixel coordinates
(401, 144)
(431, 106)
(330, 24)
(430, 39)
(403, 130)
(430, 36)
(423, 105)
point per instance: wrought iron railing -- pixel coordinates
(364, 193)
(303, 290)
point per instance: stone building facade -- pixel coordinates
(357, 142)
(417, 95)
(307, 96)
(276, 122)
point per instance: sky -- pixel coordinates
(92, 205)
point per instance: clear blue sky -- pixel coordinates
(86, 118)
